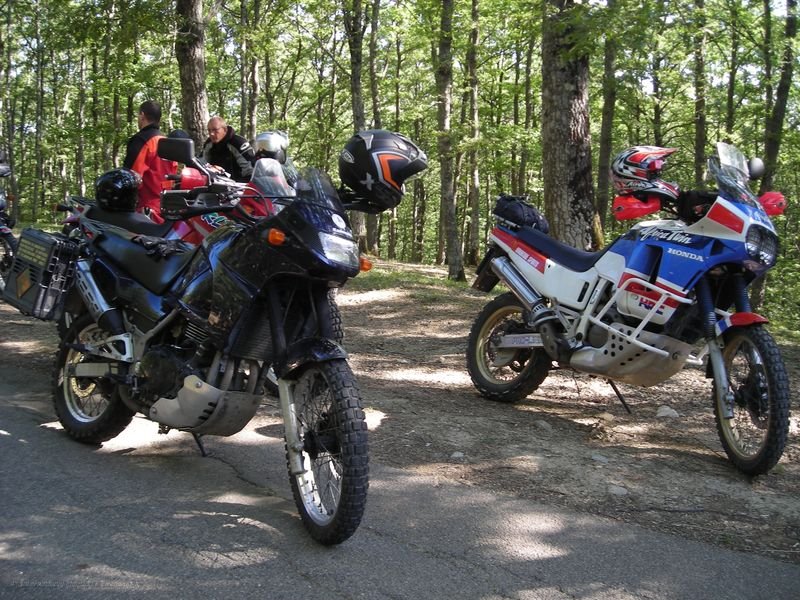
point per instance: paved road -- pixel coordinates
(146, 516)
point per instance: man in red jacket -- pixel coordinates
(141, 157)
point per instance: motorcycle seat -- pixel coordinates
(563, 254)
(154, 272)
(132, 221)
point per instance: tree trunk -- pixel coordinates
(767, 53)
(733, 67)
(444, 93)
(473, 249)
(354, 28)
(607, 122)
(38, 187)
(522, 177)
(699, 92)
(80, 151)
(774, 126)
(420, 209)
(373, 231)
(190, 53)
(566, 138)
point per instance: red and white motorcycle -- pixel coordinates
(666, 294)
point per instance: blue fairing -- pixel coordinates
(680, 257)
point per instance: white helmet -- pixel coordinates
(271, 144)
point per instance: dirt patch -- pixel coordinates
(571, 443)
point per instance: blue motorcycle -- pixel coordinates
(666, 294)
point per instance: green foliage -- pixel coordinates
(73, 73)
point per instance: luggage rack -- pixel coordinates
(633, 337)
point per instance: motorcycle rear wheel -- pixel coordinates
(755, 437)
(90, 409)
(8, 246)
(332, 491)
(504, 375)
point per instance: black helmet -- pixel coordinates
(376, 163)
(117, 190)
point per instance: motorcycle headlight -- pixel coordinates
(340, 250)
(762, 245)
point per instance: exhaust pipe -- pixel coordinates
(542, 316)
(106, 316)
(530, 298)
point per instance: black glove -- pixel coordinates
(159, 247)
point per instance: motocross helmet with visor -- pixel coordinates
(636, 171)
(117, 190)
(271, 144)
(376, 163)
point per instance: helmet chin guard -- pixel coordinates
(376, 163)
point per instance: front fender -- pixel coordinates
(739, 319)
(306, 351)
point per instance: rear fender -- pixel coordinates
(486, 277)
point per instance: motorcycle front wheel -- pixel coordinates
(504, 374)
(8, 246)
(89, 407)
(755, 437)
(331, 492)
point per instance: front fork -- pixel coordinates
(294, 446)
(724, 395)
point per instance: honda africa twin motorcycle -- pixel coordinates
(666, 294)
(8, 243)
(182, 334)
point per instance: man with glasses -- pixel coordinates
(227, 150)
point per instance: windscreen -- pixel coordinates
(729, 169)
(269, 180)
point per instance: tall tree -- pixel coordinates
(566, 138)
(444, 101)
(372, 223)
(774, 126)
(607, 118)
(699, 45)
(190, 52)
(473, 239)
(354, 26)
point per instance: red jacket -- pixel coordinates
(141, 157)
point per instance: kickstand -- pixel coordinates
(619, 395)
(199, 441)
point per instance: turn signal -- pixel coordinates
(276, 237)
(364, 264)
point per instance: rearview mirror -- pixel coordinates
(756, 168)
(178, 149)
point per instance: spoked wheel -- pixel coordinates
(86, 400)
(8, 246)
(503, 374)
(756, 435)
(331, 493)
